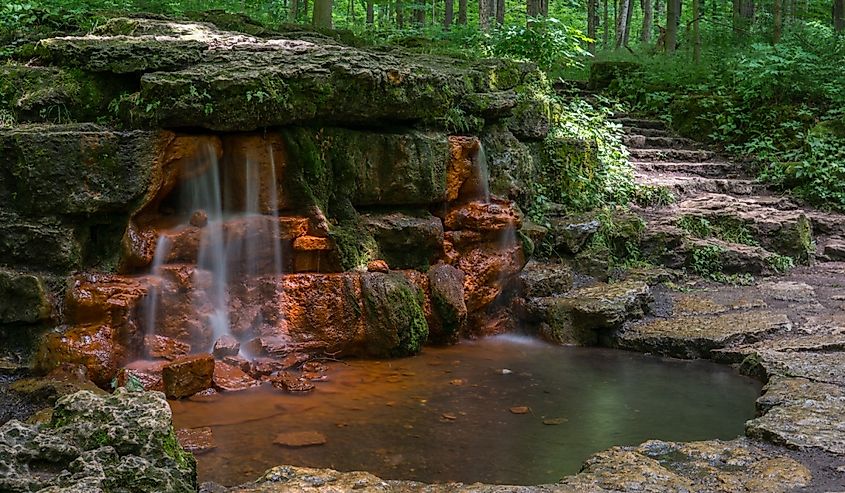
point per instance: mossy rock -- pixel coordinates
(354, 245)
(395, 320)
(693, 115)
(94, 170)
(411, 239)
(24, 298)
(40, 243)
(510, 164)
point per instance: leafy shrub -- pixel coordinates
(544, 41)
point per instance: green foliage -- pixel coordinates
(618, 238)
(653, 196)
(780, 263)
(706, 261)
(545, 41)
(726, 229)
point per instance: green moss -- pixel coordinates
(396, 324)
(354, 244)
(728, 229)
(172, 449)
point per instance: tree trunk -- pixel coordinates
(371, 15)
(622, 22)
(500, 12)
(400, 15)
(448, 13)
(544, 8)
(626, 35)
(462, 12)
(696, 30)
(606, 26)
(486, 11)
(671, 41)
(592, 20)
(419, 15)
(322, 14)
(293, 10)
(648, 20)
(777, 13)
(532, 8)
(839, 15)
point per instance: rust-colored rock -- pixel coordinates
(226, 346)
(312, 243)
(199, 219)
(196, 440)
(485, 218)
(147, 372)
(291, 383)
(256, 158)
(92, 346)
(156, 346)
(228, 378)
(300, 438)
(188, 375)
(377, 266)
(463, 177)
(107, 300)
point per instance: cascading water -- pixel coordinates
(239, 240)
(483, 173)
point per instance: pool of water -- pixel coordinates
(449, 413)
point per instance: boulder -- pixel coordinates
(188, 375)
(156, 346)
(226, 346)
(92, 346)
(96, 170)
(446, 286)
(228, 378)
(98, 443)
(395, 320)
(411, 240)
(23, 298)
(39, 243)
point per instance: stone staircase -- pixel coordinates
(720, 207)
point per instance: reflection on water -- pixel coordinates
(445, 415)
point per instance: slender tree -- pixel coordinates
(606, 25)
(648, 20)
(462, 12)
(622, 22)
(777, 13)
(293, 11)
(371, 17)
(672, 16)
(500, 12)
(400, 14)
(696, 30)
(628, 19)
(486, 12)
(839, 15)
(592, 21)
(448, 13)
(322, 14)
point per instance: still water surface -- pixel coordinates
(446, 415)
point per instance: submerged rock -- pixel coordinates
(98, 443)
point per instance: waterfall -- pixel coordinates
(483, 173)
(239, 241)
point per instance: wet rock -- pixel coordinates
(196, 440)
(148, 373)
(581, 315)
(226, 346)
(259, 368)
(485, 218)
(463, 177)
(44, 243)
(697, 336)
(228, 378)
(188, 375)
(377, 266)
(156, 346)
(712, 465)
(510, 164)
(199, 219)
(23, 298)
(94, 442)
(395, 320)
(820, 366)
(570, 237)
(291, 383)
(92, 346)
(28, 396)
(446, 284)
(300, 439)
(801, 414)
(540, 279)
(409, 240)
(790, 291)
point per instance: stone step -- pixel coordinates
(648, 132)
(686, 155)
(640, 123)
(661, 142)
(761, 221)
(707, 169)
(684, 185)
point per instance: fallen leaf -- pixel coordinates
(520, 409)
